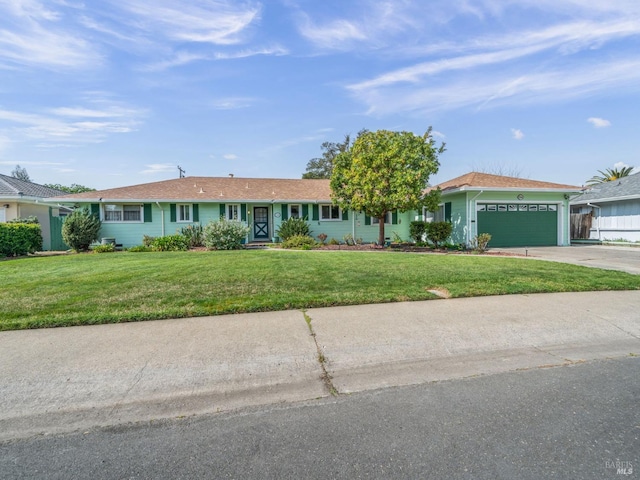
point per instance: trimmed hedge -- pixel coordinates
(19, 239)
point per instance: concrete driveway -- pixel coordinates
(626, 259)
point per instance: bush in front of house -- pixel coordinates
(19, 239)
(30, 219)
(293, 226)
(480, 242)
(139, 248)
(170, 243)
(81, 229)
(438, 232)
(225, 234)
(106, 248)
(194, 235)
(303, 242)
(417, 230)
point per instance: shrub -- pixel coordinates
(19, 239)
(304, 242)
(170, 243)
(480, 242)
(438, 232)
(417, 230)
(109, 247)
(293, 226)
(333, 241)
(81, 229)
(348, 239)
(139, 248)
(194, 235)
(147, 240)
(31, 219)
(322, 237)
(225, 235)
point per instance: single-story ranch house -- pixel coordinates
(612, 209)
(515, 211)
(21, 199)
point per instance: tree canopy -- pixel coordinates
(20, 173)
(74, 188)
(386, 171)
(323, 166)
(610, 174)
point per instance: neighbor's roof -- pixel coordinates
(214, 189)
(621, 189)
(13, 187)
(476, 181)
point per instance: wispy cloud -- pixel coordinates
(230, 156)
(233, 103)
(157, 168)
(517, 134)
(599, 122)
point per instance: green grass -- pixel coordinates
(121, 287)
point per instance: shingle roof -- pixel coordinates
(625, 187)
(216, 189)
(485, 180)
(12, 187)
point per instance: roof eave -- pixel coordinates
(467, 188)
(584, 201)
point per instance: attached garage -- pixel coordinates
(519, 225)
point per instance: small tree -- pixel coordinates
(386, 171)
(417, 230)
(81, 229)
(225, 234)
(20, 173)
(293, 226)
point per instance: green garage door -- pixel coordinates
(512, 225)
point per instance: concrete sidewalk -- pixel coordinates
(66, 379)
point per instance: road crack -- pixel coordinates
(326, 377)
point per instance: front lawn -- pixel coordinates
(120, 287)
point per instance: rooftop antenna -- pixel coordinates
(181, 171)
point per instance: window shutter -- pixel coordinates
(95, 209)
(447, 212)
(285, 211)
(147, 213)
(196, 212)
(367, 220)
(394, 217)
(243, 212)
(305, 211)
(223, 214)
(345, 214)
(172, 212)
(316, 213)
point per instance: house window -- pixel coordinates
(122, 213)
(233, 212)
(387, 219)
(295, 211)
(3, 215)
(184, 213)
(437, 216)
(330, 212)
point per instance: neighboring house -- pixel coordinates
(516, 212)
(613, 209)
(163, 208)
(20, 199)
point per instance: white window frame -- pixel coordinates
(3, 214)
(388, 219)
(233, 211)
(437, 216)
(181, 209)
(331, 208)
(298, 206)
(120, 208)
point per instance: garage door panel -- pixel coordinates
(519, 228)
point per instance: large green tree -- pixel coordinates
(386, 171)
(610, 174)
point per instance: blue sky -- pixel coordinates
(115, 93)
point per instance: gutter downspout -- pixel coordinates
(162, 212)
(475, 219)
(597, 224)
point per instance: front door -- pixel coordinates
(260, 223)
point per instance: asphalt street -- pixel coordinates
(572, 422)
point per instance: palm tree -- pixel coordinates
(610, 174)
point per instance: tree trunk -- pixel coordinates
(381, 229)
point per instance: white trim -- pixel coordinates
(103, 212)
(180, 210)
(299, 205)
(233, 211)
(3, 214)
(331, 206)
